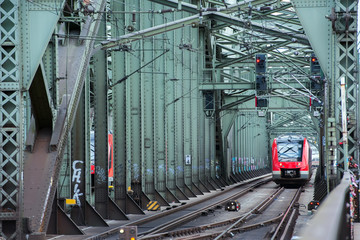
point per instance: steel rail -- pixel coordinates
(265, 177)
(283, 225)
(168, 225)
(282, 218)
(258, 209)
(193, 232)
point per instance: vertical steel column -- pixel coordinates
(212, 156)
(179, 115)
(237, 143)
(200, 139)
(207, 150)
(338, 58)
(160, 68)
(196, 102)
(119, 122)
(149, 122)
(159, 111)
(346, 68)
(170, 114)
(87, 138)
(101, 131)
(201, 146)
(185, 98)
(78, 163)
(11, 121)
(64, 183)
(170, 134)
(133, 118)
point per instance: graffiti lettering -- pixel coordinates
(100, 174)
(76, 178)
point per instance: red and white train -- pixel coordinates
(291, 160)
(110, 156)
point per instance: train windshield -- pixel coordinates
(290, 151)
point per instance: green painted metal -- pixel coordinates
(133, 119)
(248, 144)
(162, 95)
(346, 54)
(153, 164)
(187, 109)
(119, 124)
(179, 119)
(248, 86)
(78, 164)
(139, 35)
(39, 35)
(101, 130)
(158, 120)
(88, 148)
(170, 120)
(11, 127)
(319, 34)
(227, 122)
(58, 143)
(334, 42)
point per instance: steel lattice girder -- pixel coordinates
(221, 17)
(340, 48)
(10, 128)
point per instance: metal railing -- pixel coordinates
(332, 220)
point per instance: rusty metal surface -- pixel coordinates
(38, 168)
(41, 167)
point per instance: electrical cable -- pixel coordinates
(127, 76)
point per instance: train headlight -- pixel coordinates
(280, 164)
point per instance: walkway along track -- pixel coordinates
(171, 218)
(283, 231)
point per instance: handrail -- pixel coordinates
(332, 219)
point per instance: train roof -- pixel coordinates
(290, 138)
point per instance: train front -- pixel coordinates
(290, 161)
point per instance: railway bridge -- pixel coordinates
(190, 92)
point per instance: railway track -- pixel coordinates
(230, 227)
(201, 211)
(170, 219)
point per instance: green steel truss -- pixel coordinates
(334, 42)
(12, 127)
(181, 85)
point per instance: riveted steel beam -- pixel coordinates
(152, 31)
(333, 39)
(246, 86)
(300, 38)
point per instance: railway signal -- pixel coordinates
(260, 69)
(314, 65)
(261, 102)
(260, 63)
(260, 85)
(313, 205)
(128, 233)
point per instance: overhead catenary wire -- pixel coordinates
(137, 70)
(309, 96)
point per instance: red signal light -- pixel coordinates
(313, 59)
(257, 60)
